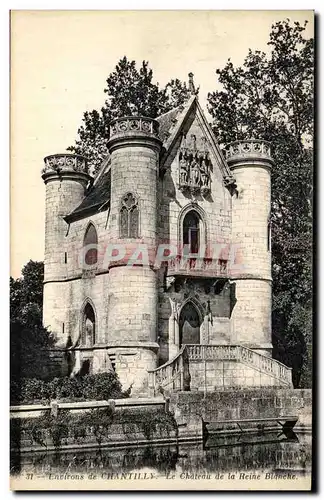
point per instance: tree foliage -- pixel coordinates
(271, 97)
(130, 91)
(29, 340)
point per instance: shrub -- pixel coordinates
(101, 386)
(58, 426)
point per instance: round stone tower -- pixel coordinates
(134, 147)
(66, 177)
(250, 161)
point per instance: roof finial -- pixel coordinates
(192, 88)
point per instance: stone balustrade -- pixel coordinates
(242, 354)
(134, 125)
(175, 375)
(36, 410)
(249, 149)
(65, 162)
(172, 376)
(212, 352)
(206, 267)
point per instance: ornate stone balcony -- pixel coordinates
(198, 267)
(133, 125)
(65, 162)
(248, 150)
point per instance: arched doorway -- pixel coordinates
(189, 324)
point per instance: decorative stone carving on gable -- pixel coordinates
(194, 167)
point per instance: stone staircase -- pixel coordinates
(217, 367)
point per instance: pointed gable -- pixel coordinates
(176, 123)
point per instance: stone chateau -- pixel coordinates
(159, 267)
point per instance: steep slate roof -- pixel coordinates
(167, 121)
(97, 196)
(170, 127)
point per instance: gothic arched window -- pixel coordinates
(88, 336)
(91, 238)
(129, 217)
(191, 231)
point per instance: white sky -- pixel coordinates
(60, 61)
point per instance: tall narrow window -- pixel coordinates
(91, 239)
(88, 326)
(191, 224)
(129, 217)
(269, 235)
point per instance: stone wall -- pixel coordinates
(65, 295)
(251, 318)
(92, 424)
(132, 304)
(131, 364)
(64, 302)
(219, 374)
(243, 404)
(251, 210)
(135, 170)
(62, 196)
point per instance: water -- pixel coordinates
(270, 453)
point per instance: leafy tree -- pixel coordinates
(271, 97)
(29, 340)
(27, 293)
(177, 93)
(130, 92)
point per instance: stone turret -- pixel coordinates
(134, 147)
(250, 161)
(66, 177)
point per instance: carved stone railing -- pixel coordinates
(249, 149)
(207, 267)
(242, 354)
(172, 376)
(65, 163)
(197, 352)
(133, 125)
